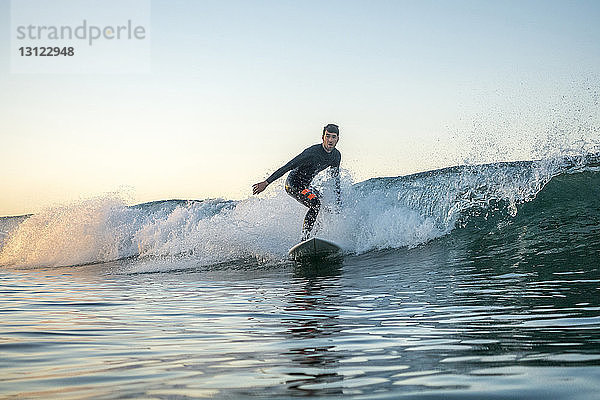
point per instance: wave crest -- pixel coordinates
(379, 213)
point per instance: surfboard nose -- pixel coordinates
(314, 247)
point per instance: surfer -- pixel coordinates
(304, 167)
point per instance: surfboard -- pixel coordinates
(314, 247)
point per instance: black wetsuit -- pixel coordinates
(305, 166)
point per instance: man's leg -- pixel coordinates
(311, 199)
(313, 203)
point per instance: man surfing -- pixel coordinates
(304, 167)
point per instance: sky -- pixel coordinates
(234, 89)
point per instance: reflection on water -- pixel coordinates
(446, 320)
(313, 315)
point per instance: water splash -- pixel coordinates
(380, 213)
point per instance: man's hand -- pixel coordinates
(259, 187)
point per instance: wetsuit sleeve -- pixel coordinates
(335, 171)
(294, 162)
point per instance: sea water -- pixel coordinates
(464, 283)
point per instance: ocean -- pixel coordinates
(469, 282)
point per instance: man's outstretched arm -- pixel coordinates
(259, 187)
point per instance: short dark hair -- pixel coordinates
(331, 128)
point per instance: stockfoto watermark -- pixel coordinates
(84, 31)
(82, 36)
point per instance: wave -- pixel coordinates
(380, 213)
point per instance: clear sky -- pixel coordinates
(237, 88)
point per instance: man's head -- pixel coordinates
(331, 135)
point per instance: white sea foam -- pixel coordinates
(382, 213)
(90, 231)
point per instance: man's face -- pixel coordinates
(329, 141)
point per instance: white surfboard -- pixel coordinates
(314, 247)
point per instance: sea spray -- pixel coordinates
(253, 227)
(86, 232)
(380, 213)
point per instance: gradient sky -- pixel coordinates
(237, 88)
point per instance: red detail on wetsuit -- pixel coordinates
(311, 196)
(304, 191)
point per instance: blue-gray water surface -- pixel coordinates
(421, 323)
(502, 302)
